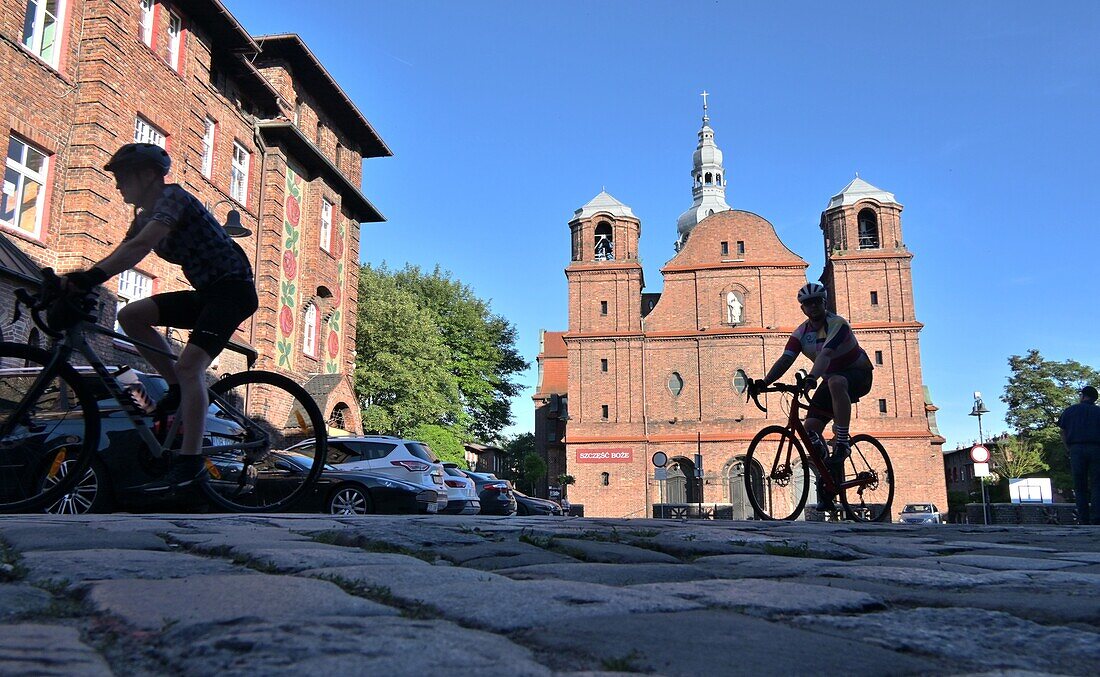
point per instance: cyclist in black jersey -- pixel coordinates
(173, 223)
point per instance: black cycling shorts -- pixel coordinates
(212, 314)
(859, 384)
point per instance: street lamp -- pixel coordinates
(978, 410)
(233, 226)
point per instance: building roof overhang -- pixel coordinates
(338, 105)
(315, 162)
(16, 263)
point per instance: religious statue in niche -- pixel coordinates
(734, 308)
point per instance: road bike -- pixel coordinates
(50, 419)
(777, 467)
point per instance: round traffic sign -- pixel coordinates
(660, 459)
(979, 454)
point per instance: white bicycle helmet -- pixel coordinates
(813, 290)
(140, 154)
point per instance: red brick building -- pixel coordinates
(253, 124)
(638, 373)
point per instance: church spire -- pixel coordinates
(708, 189)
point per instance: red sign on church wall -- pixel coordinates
(605, 455)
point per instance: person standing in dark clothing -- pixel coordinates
(1080, 426)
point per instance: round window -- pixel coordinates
(675, 383)
(740, 381)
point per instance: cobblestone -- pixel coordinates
(306, 594)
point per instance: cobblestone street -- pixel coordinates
(294, 594)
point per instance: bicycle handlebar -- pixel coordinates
(798, 389)
(50, 294)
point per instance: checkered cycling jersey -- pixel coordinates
(833, 333)
(196, 241)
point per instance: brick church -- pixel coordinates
(636, 373)
(257, 129)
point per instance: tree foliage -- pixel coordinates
(1016, 457)
(522, 464)
(443, 441)
(429, 352)
(1037, 393)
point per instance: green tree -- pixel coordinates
(1016, 457)
(1037, 393)
(443, 441)
(401, 373)
(534, 469)
(482, 353)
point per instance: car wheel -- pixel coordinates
(350, 500)
(90, 494)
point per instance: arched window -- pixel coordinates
(605, 478)
(718, 179)
(675, 383)
(868, 229)
(605, 243)
(709, 179)
(34, 339)
(341, 416)
(309, 335)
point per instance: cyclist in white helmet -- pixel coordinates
(174, 223)
(827, 340)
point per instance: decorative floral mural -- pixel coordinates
(288, 273)
(333, 327)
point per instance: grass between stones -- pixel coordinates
(339, 538)
(10, 567)
(787, 550)
(625, 663)
(383, 595)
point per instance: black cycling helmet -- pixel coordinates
(812, 290)
(1089, 393)
(133, 154)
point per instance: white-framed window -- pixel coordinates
(309, 335)
(175, 33)
(208, 147)
(41, 28)
(132, 286)
(326, 224)
(23, 201)
(238, 176)
(145, 132)
(147, 22)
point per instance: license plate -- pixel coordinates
(433, 507)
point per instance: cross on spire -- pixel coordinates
(705, 94)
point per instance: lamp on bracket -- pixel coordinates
(233, 226)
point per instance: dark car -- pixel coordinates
(495, 494)
(356, 492)
(123, 462)
(530, 505)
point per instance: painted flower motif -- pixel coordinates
(293, 210)
(333, 343)
(338, 247)
(290, 264)
(336, 296)
(286, 320)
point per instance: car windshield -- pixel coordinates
(453, 471)
(918, 507)
(422, 451)
(301, 460)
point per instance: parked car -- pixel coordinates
(122, 462)
(920, 513)
(462, 498)
(357, 492)
(530, 505)
(395, 457)
(495, 494)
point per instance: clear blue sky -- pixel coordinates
(504, 117)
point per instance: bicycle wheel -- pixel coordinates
(49, 429)
(867, 488)
(262, 413)
(777, 477)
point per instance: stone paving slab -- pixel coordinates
(151, 604)
(292, 559)
(346, 646)
(761, 566)
(78, 537)
(39, 649)
(490, 555)
(760, 596)
(989, 639)
(19, 599)
(609, 574)
(611, 553)
(77, 566)
(1004, 563)
(488, 600)
(719, 642)
(930, 578)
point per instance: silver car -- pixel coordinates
(920, 513)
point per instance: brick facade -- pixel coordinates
(269, 95)
(645, 376)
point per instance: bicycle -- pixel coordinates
(50, 426)
(777, 474)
